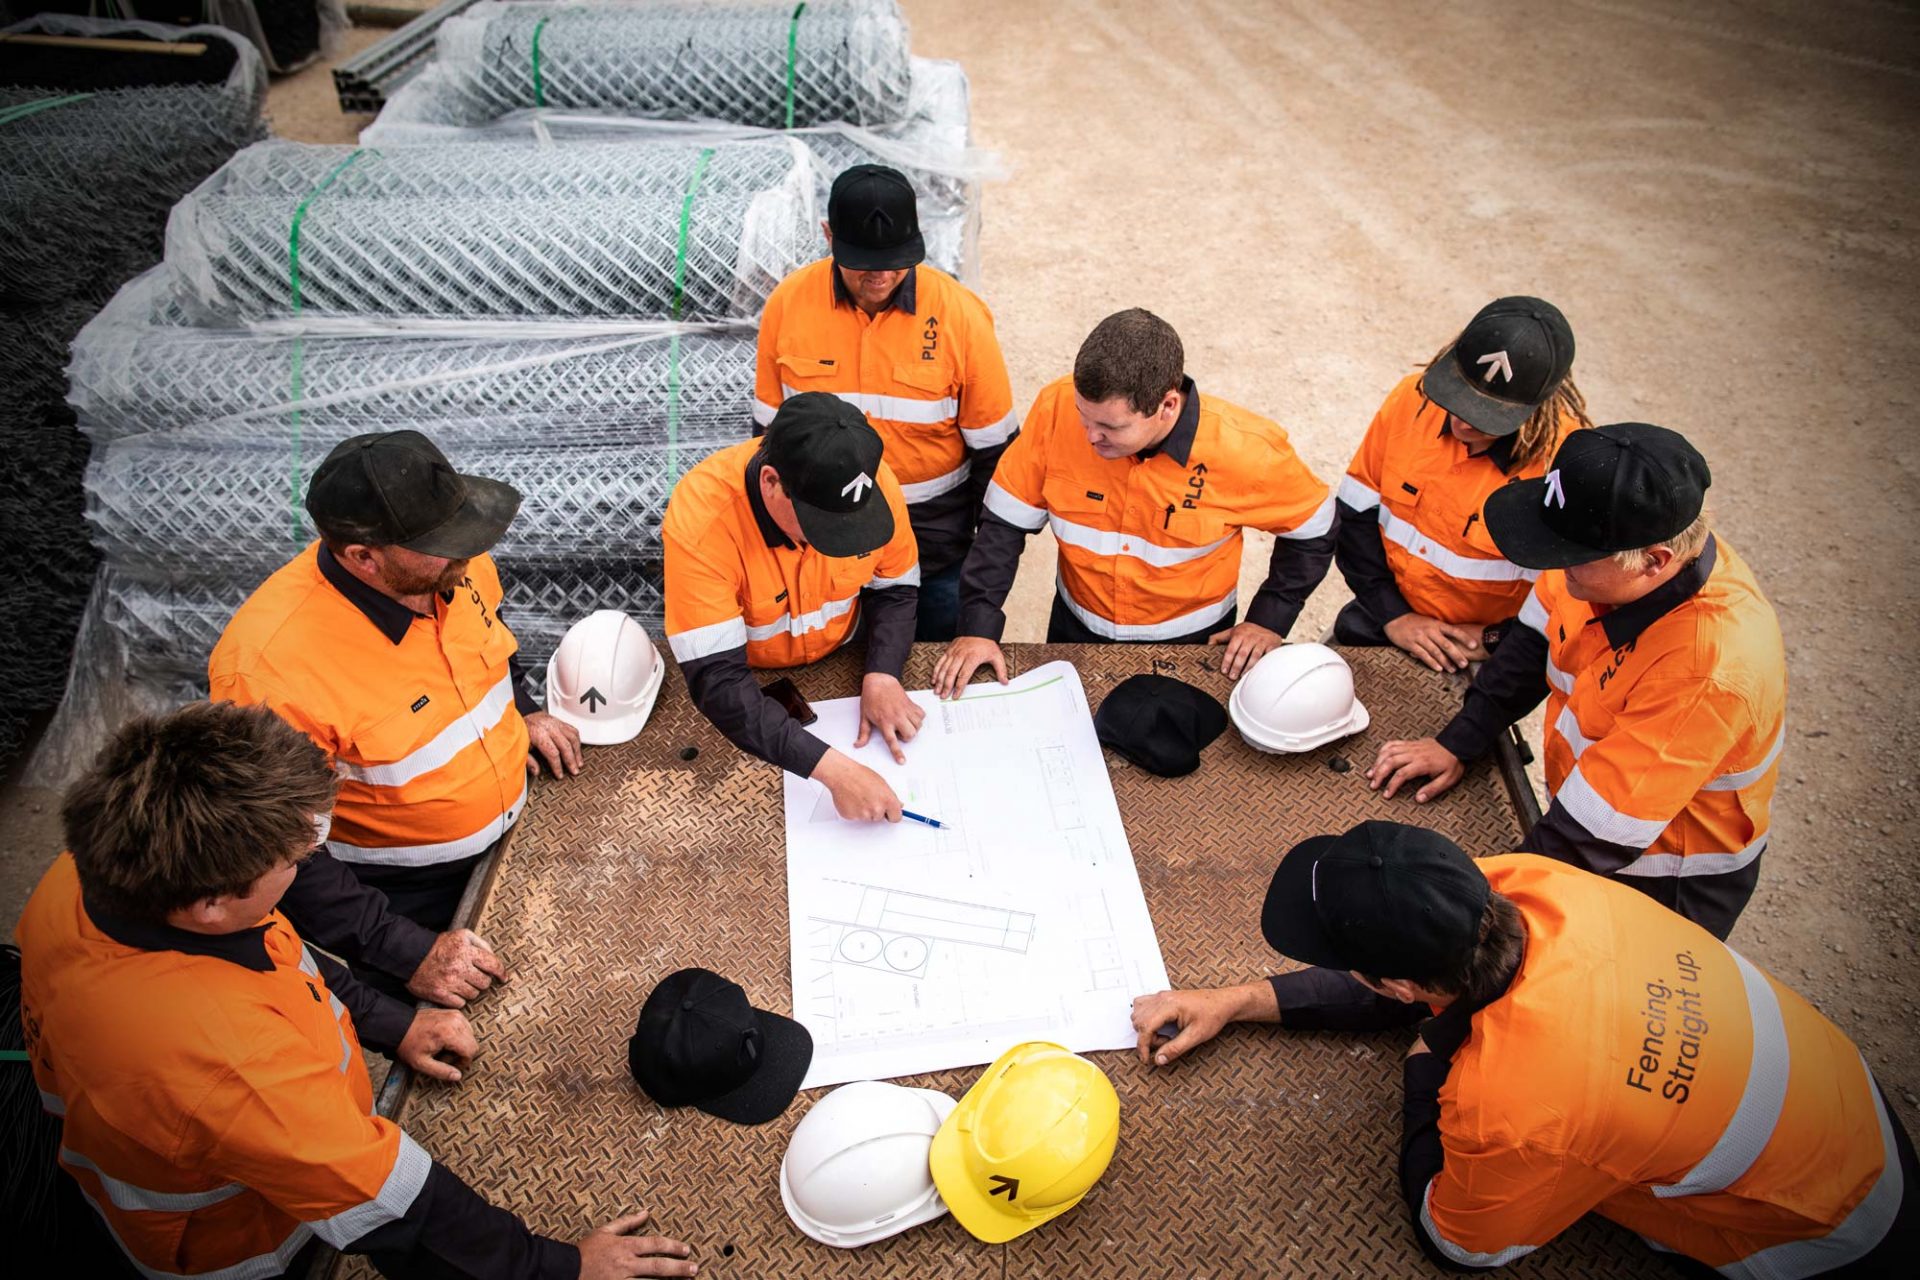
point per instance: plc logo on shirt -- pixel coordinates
(930, 339)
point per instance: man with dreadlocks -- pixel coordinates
(1489, 410)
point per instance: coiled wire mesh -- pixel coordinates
(538, 234)
(761, 62)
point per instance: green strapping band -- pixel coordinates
(298, 371)
(793, 45)
(679, 297)
(21, 110)
(539, 85)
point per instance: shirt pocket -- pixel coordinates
(384, 748)
(798, 373)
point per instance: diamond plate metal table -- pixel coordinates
(1264, 1154)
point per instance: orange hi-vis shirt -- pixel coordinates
(216, 1111)
(927, 371)
(1638, 1068)
(1670, 742)
(1418, 493)
(420, 721)
(1150, 544)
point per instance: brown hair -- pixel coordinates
(1487, 969)
(191, 805)
(1132, 353)
(1565, 410)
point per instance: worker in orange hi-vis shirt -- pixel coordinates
(1489, 410)
(1663, 668)
(206, 1064)
(1590, 1052)
(910, 347)
(1147, 485)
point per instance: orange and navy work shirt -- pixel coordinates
(928, 373)
(417, 712)
(215, 1105)
(1665, 723)
(1150, 544)
(1639, 1068)
(741, 595)
(1412, 539)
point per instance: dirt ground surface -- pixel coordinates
(1720, 196)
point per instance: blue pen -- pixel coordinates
(921, 817)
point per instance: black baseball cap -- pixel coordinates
(1159, 723)
(1504, 365)
(828, 457)
(1608, 489)
(875, 220)
(1389, 900)
(395, 488)
(701, 1044)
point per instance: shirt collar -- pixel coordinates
(772, 532)
(392, 618)
(1499, 453)
(246, 948)
(1624, 625)
(1179, 442)
(904, 298)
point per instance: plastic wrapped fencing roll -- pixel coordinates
(136, 369)
(761, 62)
(177, 504)
(533, 246)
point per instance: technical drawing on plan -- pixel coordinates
(915, 948)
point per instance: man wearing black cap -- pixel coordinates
(1591, 1053)
(1663, 669)
(913, 349)
(778, 550)
(383, 642)
(1488, 410)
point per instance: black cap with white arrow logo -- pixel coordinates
(1509, 359)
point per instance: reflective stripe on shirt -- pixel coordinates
(1315, 525)
(1019, 514)
(461, 732)
(894, 408)
(1357, 495)
(1465, 1257)
(921, 490)
(1172, 628)
(1454, 565)
(1594, 812)
(1110, 542)
(992, 434)
(1758, 1113)
(801, 624)
(704, 642)
(423, 855)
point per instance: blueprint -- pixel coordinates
(917, 949)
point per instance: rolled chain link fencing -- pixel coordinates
(91, 159)
(672, 232)
(758, 62)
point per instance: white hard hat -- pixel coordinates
(1296, 698)
(603, 678)
(856, 1170)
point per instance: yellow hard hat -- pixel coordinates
(1026, 1142)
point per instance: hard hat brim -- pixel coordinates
(983, 1217)
(935, 1207)
(1274, 744)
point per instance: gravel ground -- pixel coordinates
(1721, 197)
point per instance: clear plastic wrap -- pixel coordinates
(550, 239)
(760, 62)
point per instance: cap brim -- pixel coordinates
(847, 533)
(1446, 386)
(1289, 920)
(1520, 531)
(476, 527)
(786, 1051)
(856, 257)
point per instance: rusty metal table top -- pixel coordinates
(1265, 1154)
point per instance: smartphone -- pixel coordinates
(784, 692)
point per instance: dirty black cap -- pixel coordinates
(1508, 361)
(828, 457)
(1389, 900)
(1613, 488)
(875, 220)
(396, 489)
(700, 1043)
(1159, 723)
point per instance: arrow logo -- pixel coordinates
(592, 700)
(857, 486)
(1496, 363)
(1010, 1187)
(1556, 496)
